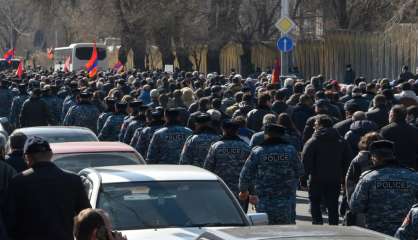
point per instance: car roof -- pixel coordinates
(90, 147)
(147, 173)
(293, 232)
(54, 130)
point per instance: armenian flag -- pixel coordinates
(92, 64)
(9, 55)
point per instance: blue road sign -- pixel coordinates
(285, 44)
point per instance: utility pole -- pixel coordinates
(284, 56)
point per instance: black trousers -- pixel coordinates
(326, 194)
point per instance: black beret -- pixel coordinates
(230, 124)
(121, 104)
(203, 118)
(85, 94)
(110, 101)
(135, 104)
(172, 112)
(275, 129)
(156, 113)
(321, 103)
(36, 145)
(381, 146)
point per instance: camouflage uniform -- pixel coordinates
(126, 121)
(6, 98)
(69, 101)
(144, 138)
(83, 114)
(197, 146)
(54, 104)
(409, 228)
(130, 130)
(166, 145)
(385, 194)
(17, 104)
(111, 128)
(274, 169)
(102, 119)
(225, 158)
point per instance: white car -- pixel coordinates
(165, 201)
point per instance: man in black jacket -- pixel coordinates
(34, 111)
(344, 126)
(325, 158)
(43, 200)
(302, 112)
(15, 158)
(379, 114)
(403, 135)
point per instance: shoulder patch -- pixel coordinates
(365, 173)
(27, 172)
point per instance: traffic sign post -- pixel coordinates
(285, 44)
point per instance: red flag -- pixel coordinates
(9, 55)
(50, 52)
(275, 78)
(91, 65)
(67, 64)
(19, 71)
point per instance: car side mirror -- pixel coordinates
(257, 219)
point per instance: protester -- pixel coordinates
(16, 157)
(43, 200)
(325, 158)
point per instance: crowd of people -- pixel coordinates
(358, 140)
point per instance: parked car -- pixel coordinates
(164, 201)
(57, 134)
(294, 232)
(75, 156)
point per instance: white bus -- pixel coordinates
(80, 54)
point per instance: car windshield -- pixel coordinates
(143, 205)
(78, 161)
(70, 138)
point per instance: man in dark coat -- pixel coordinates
(34, 111)
(379, 114)
(16, 158)
(343, 126)
(325, 158)
(43, 200)
(349, 75)
(403, 135)
(255, 116)
(302, 112)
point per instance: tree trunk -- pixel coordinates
(139, 57)
(214, 63)
(246, 65)
(341, 12)
(184, 62)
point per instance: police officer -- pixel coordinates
(274, 168)
(70, 100)
(409, 228)
(113, 124)
(386, 192)
(17, 105)
(6, 98)
(133, 110)
(43, 200)
(167, 143)
(138, 123)
(110, 109)
(134, 121)
(196, 147)
(83, 114)
(227, 156)
(53, 102)
(143, 136)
